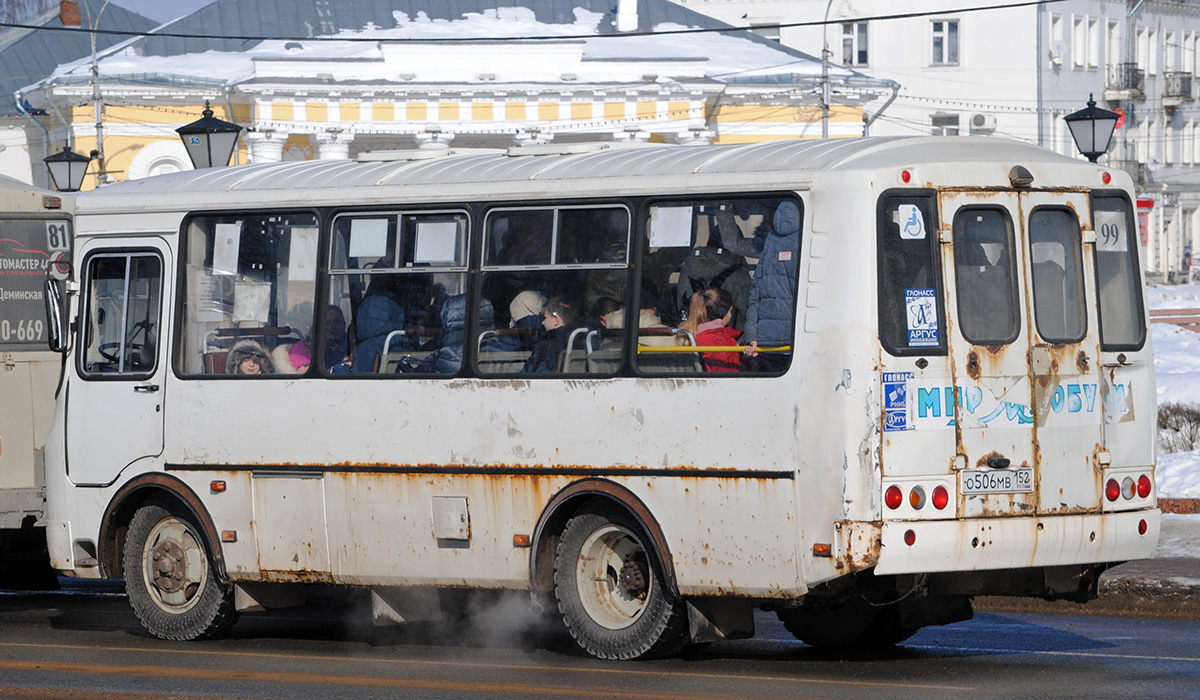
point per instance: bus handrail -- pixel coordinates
(709, 348)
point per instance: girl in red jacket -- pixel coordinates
(709, 316)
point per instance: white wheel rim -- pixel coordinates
(597, 577)
(174, 566)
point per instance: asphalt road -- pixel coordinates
(89, 646)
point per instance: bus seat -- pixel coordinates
(604, 355)
(669, 362)
(499, 361)
(214, 361)
(574, 358)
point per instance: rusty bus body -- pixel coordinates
(965, 404)
(35, 228)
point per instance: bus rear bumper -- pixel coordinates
(1015, 543)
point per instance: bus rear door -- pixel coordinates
(1026, 397)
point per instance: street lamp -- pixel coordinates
(1092, 128)
(209, 141)
(67, 169)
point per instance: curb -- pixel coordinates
(1184, 506)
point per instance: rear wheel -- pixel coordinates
(611, 591)
(170, 576)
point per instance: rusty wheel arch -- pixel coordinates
(132, 496)
(566, 503)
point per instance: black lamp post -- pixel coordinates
(67, 169)
(209, 141)
(1092, 128)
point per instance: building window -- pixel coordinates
(1195, 143)
(1079, 44)
(945, 42)
(1093, 31)
(1170, 52)
(944, 124)
(1152, 53)
(854, 44)
(767, 32)
(1056, 40)
(1112, 47)
(1143, 48)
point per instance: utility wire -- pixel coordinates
(543, 37)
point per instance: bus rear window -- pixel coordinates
(1057, 275)
(985, 276)
(1118, 287)
(911, 318)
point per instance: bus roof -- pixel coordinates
(596, 169)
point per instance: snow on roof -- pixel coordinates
(600, 55)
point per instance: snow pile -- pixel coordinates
(1177, 369)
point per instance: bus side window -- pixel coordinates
(1122, 326)
(249, 286)
(403, 277)
(912, 318)
(553, 278)
(124, 296)
(750, 248)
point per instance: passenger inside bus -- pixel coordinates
(379, 314)
(525, 324)
(560, 319)
(772, 306)
(447, 358)
(709, 316)
(248, 357)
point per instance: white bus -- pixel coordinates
(953, 391)
(35, 230)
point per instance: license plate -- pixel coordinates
(983, 481)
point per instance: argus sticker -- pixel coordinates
(895, 401)
(921, 308)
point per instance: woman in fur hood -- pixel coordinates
(249, 357)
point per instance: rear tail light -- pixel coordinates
(1128, 488)
(1142, 527)
(1144, 486)
(893, 497)
(1112, 490)
(910, 538)
(916, 498)
(941, 497)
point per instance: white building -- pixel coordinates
(1016, 72)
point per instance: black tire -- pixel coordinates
(611, 590)
(181, 598)
(852, 623)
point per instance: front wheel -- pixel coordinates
(170, 577)
(611, 591)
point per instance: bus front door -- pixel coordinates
(1025, 401)
(115, 397)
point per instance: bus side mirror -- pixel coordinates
(56, 314)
